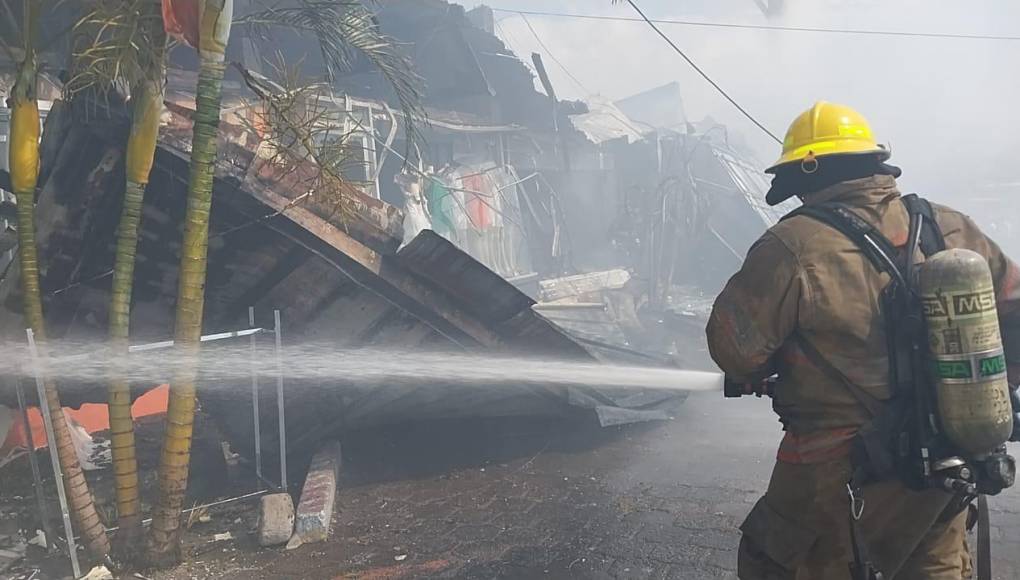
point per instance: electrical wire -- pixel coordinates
(703, 74)
(859, 31)
(510, 41)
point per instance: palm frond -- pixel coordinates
(345, 29)
(116, 44)
(304, 142)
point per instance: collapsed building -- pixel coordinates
(622, 219)
(525, 225)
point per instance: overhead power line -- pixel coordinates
(901, 33)
(553, 56)
(703, 74)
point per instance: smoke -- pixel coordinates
(946, 106)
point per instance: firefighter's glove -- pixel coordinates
(1015, 397)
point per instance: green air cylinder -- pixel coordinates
(966, 347)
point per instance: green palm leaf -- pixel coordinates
(344, 29)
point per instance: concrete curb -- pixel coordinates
(318, 496)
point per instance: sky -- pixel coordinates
(947, 107)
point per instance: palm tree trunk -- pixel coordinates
(164, 545)
(24, 171)
(147, 104)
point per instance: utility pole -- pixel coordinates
(543, 76)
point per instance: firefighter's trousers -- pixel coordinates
(800, 530)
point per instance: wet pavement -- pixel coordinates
(533, 499)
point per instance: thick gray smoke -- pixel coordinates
(947, 106)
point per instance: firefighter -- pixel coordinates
(804, 283)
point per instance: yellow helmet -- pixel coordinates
(828, 129)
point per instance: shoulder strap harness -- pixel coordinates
(924, 233)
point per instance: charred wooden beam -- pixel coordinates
(338, 292)
(286, 266)
(374, 328)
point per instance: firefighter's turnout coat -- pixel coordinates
(805, 278)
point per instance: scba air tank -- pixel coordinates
(966, 347)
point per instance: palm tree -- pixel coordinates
(212, 36)
(342, 28)
(126, 44)
(24, 172)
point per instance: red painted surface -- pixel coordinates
(182, 19)
(478, 210)
(92, 417)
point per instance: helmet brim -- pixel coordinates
(777, 195)
(830, 149)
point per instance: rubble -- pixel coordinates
(516, 199)
(555, 289)
(425, 292)
(8, 557)
(98, 573)
(569, 236)
(39, 539)
(12, 543)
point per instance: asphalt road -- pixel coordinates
(531, 499)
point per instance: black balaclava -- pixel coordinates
(791, 179)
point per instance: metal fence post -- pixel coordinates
(279, 400)
(40, 495)
(58, 474)
(255, 397)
